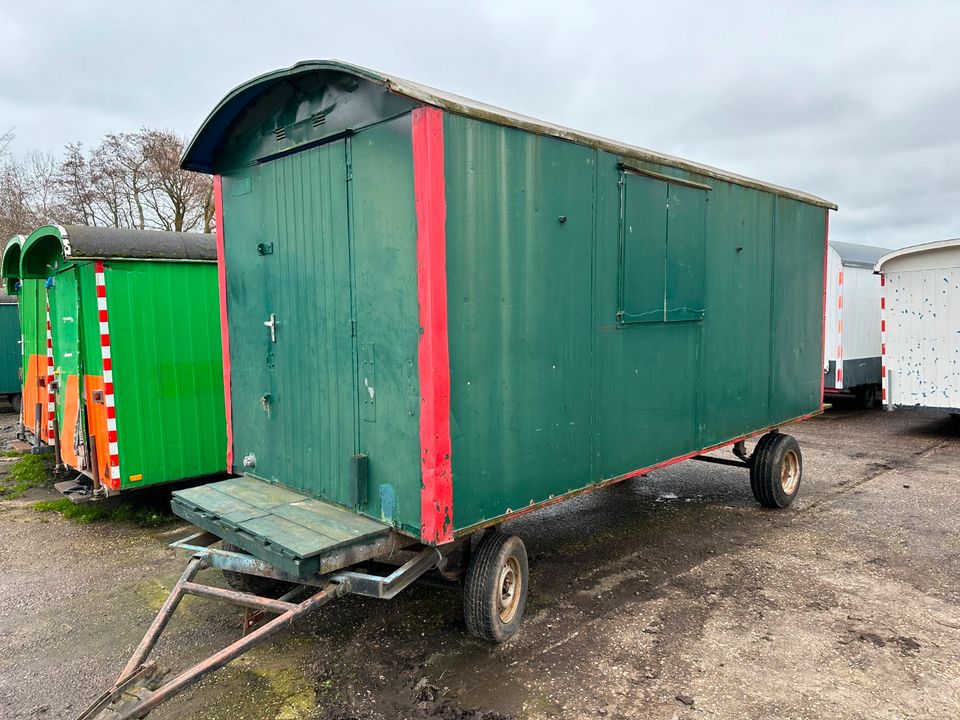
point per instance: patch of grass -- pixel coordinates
(30, 471)
(10, 453)
(105, 511)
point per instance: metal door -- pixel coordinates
(289, 299)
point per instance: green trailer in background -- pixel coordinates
(10, 354)
(439, 315)
(136, 375)
(36, 431)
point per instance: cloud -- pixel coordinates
(852, 101)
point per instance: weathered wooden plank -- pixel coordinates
(300, 540)
(257, 492)
(217, 503)
(341, 525)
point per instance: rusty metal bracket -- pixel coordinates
(387, 587)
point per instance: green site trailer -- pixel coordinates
(135, 372)
(439, 315)
(10, 355)
(32, 309)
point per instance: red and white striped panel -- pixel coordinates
(883, 339)
(51, 398)
(839, 380)
(108, 399)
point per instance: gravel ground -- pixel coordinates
(668, 596)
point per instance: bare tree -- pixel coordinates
(76, 185)
(130, 180)
(179, 199)
(5, 141)
(29, 194)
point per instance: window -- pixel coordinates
(662, 242)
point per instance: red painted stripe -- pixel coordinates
(883, 280)
(101, 289)
(115, 460)
(433, 360)
(883, 326)
(224, 327)
(111, 412)
(108, 364)
(112, 435)
(883, 303)
(883, 348)
(884, 395)
(103, 315)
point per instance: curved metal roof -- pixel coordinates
(11, 257)
(856, 255)
(81, 242)
(915, 250)
(202, 149)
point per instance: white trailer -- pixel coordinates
(920, 326)
(851, 346)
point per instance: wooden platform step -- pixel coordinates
(299, 534)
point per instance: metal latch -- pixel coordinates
(272, 324)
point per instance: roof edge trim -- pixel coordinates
(914, 250)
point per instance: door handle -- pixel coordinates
(272, 324)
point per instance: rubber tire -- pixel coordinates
(766, 466)
(254, 584)
(481, 587)
(868, 396)
(16, 400)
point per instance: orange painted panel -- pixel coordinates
(34, 393)
(97, 427)
(71, 413)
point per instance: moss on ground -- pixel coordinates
(29, 471)
(105, 511)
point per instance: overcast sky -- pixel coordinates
(858, 102)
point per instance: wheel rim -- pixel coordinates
(790, 473)
(509, 596)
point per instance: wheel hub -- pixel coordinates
(790, 473)
(509, 597)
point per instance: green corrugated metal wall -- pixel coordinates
(549, 391)
(384, 232)
(168, 376)
(10, 361)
